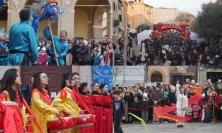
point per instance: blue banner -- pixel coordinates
(103, 75)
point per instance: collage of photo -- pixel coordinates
(110, 66)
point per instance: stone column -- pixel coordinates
(66, 21)
(90, 24)
(14, 7)
(111, 24)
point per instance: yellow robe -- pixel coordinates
(65, 104)
(42, 111)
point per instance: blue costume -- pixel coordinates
(61, 48)
(3, 54)
(23, 44)
(97, 60)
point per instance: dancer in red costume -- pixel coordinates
(107, 111)
(103, 111)
(85, 95)
(83, 101)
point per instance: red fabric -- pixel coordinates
(13, 122)
(107, 100)
(97, 100)
(88, 130)
(216, 100)
(107, 127)
(103, 115)
(87, 100)
(43, 59)
(2, 111)
(10, 115)
(99, 119)
(19, 101)
(3, 96)
(109, 55)
(81, 101)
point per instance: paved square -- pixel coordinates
(171, 128)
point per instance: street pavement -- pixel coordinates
(171, 128)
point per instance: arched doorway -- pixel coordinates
(156, 77)
(100, 25)
(96, 17)
(81, 23)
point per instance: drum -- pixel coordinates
(84, 120)
(58, 125)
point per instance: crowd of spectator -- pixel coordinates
(81, 52)
(141, 100)
(170, 50)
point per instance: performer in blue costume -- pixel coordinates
(23, 43)
(61, 46)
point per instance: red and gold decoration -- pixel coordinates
(160, 28)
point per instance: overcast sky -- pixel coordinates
(191, 6)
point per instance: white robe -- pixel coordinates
(182, 103)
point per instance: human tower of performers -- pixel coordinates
(73, 110)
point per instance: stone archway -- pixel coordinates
(81, 23)
(156, 77)
(95, 10)
(100, 25)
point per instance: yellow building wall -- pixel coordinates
(81, 23)
(139, 13)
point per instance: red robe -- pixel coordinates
(11, 120)
(103, 111)
(88, 102)
(108, 114)
(85, 102)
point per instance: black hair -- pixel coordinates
(37, 82)
(25, 14)
(116, 92)
(93, 84)
(65, 76)
(82, 86)
(63, 31)
(75, 73)
(8, 80)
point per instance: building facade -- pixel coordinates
(165, 15)
(208, 73)
(88, 19)
(137, 13)
(170, 74)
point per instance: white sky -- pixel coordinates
(191, 6)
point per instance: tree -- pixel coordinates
(209, 22)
